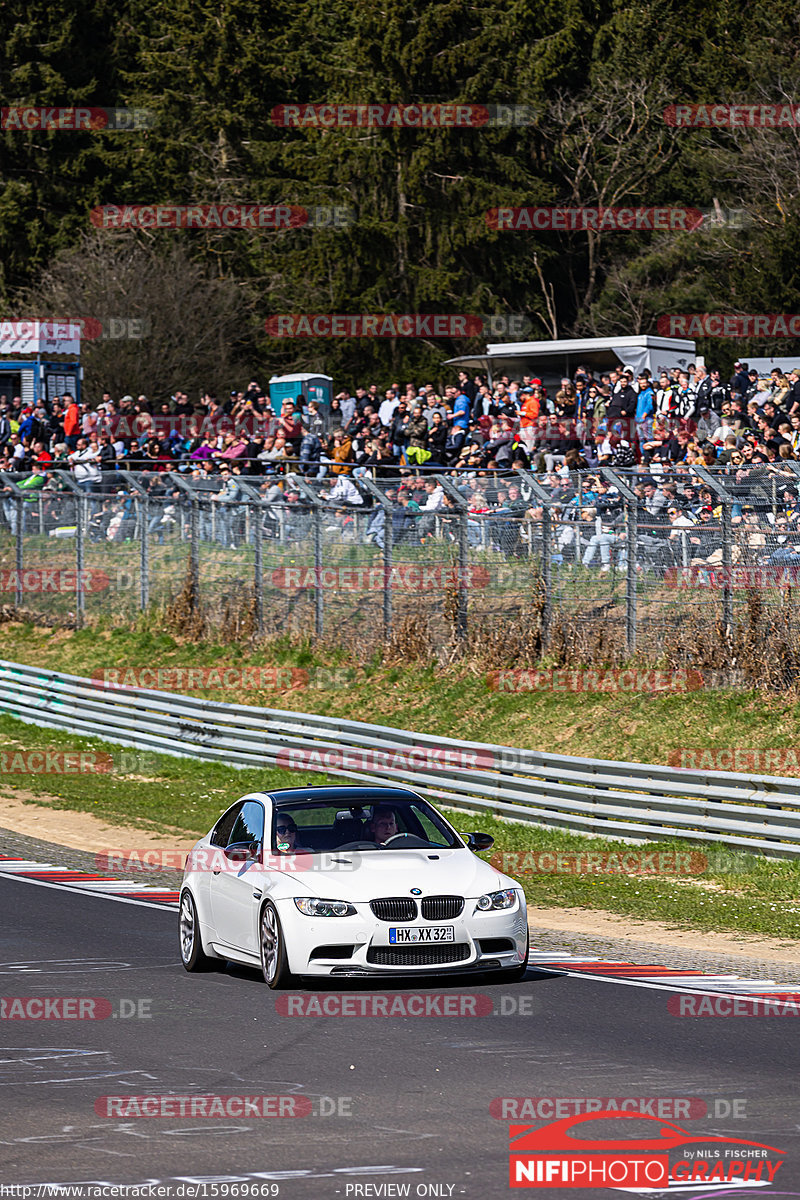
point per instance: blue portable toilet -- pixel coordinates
(310, 387)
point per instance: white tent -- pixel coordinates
(550, 360)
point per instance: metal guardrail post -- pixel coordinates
(80, 530)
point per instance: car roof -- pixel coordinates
(357, 794)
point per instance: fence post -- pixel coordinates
(631, 547)
(258, 564)
(305, 488)
(80, 557)
(144, 568)
(727, 565)
(20, 550)
(319, 599)
(541, 494)
(388, 550)
(194, 553)
(631, 541)
(462, 607)
(546, 575)
(726, 500)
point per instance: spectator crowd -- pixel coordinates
(659, 430)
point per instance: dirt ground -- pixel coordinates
(82, 831)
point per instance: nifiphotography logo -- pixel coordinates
(596, 1151)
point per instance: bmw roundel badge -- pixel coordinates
(416, 891)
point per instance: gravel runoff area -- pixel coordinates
(618, 949)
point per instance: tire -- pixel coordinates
(272, 947)
(193, 957)
(517, 973)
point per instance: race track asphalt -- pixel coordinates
(410, 1096)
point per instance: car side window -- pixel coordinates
(220, 834)
(249, 824)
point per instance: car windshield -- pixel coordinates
(316, 827)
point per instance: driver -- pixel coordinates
(286, 836)
(382, 825)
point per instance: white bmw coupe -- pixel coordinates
(348, 881)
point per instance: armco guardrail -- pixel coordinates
(635, 801)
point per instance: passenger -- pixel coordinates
(286, 837)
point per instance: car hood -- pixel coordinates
(367, 875)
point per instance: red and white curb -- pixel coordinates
(48, 875)
(673, 979)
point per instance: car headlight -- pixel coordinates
(504, 899)
(324, 908)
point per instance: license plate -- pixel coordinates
(430, 933)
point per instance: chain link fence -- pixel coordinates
(623, 559)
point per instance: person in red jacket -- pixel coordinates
(72, 422)
(528, 413)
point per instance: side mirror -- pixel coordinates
(243, 851)
(479, 841)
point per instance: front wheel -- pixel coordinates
(274, 961)
(517, 973)
(193, 956)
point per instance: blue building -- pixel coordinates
(39, 360)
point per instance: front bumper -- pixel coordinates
(359, 945)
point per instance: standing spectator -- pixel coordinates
(72, 422)
(85, 463)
